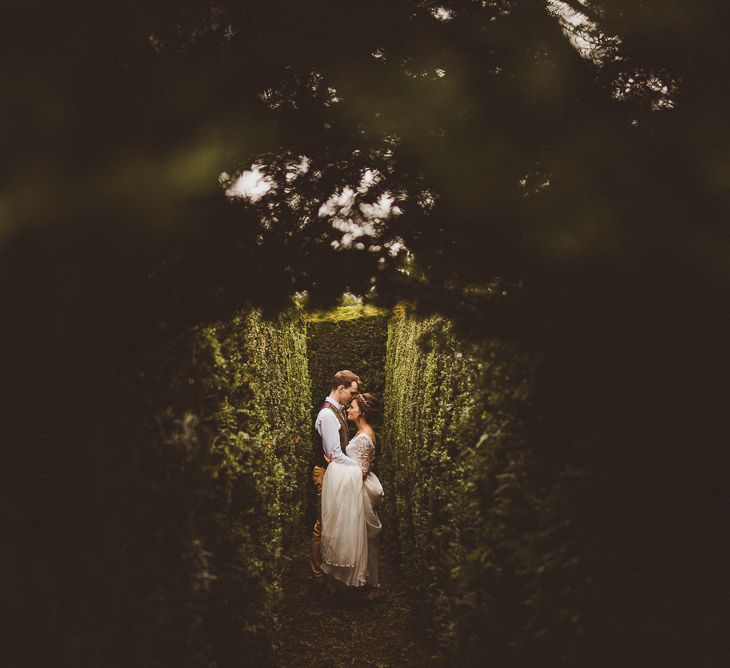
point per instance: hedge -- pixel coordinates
(488, 532)
(183, 507)
(352, 338)
(253, 435)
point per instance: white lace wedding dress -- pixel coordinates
(350, 524)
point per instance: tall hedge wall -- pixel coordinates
(489, 530)
(347, 338)
(176, 529)
(243, 490)
(538, 533)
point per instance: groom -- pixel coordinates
(330, 439)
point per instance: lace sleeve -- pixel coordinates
(364, 449)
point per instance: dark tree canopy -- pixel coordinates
(509, 152)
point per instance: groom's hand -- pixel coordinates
(327, 459)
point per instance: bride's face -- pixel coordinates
(354, 412)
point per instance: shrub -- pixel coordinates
(349, 337)
(489, 533)
(165, 531)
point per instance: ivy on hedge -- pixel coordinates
(487, 529)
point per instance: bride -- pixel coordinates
(350, 525)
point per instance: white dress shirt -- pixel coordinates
(328, 427)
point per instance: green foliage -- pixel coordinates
(488, 531)
(187, 504)
(254, 443)
(260, 454)
(348, 337)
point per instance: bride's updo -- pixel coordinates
(369, 406)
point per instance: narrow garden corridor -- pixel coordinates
(343, 632)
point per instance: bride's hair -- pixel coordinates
(369, 405)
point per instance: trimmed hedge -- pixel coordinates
(489, 531)
(352, 338)
(182, 507)
(250, 433)
(540, 530)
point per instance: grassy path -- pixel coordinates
(344, 632)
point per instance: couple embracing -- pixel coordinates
(345, 535)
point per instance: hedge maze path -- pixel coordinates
(341, 631)
(344, 631)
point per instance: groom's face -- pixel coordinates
(347, 393)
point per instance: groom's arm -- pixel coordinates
(329, 428)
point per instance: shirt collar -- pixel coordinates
(334, 402)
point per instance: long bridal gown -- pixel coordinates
(350, 524)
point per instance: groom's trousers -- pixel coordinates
(316, 560)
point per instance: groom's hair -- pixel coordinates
(344, 378)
